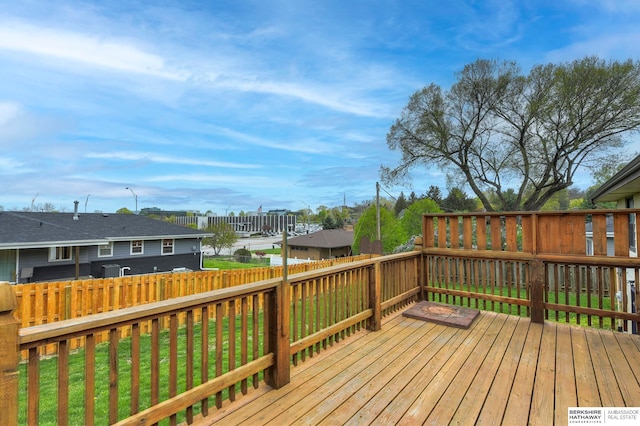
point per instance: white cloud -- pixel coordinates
(18, 125)
(313, 93)
(622, 6)
(205, 179)
(618, 46)
(8, 112)
(11, 166)
(117, 55)
(234, 70)
(155, 158)
(306, 146)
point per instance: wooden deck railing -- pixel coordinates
(567, 266)
(576, 266)
(47, 302)
(232, 339)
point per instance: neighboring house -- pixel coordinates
(52, 246)
(325, 244)
(624, 189)
(610, 242)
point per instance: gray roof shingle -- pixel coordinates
(327, 238)
(35, 229)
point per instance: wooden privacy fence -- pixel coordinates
(47, 302)
(576, 266)
(232, 339)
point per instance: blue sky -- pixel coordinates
(231, 105)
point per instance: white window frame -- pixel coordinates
(141, 247)
(172, 245)
(54, 252)
(108, 246)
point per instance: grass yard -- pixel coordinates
(229, 263)
(573, 300)
(49, 367)
(224, 263)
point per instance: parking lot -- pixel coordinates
(255, 243)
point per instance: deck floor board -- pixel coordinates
(502, 370)
(542, 404)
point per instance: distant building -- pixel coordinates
(252, 224)
(155, 211)
(325, 244)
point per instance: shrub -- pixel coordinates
(242, 255)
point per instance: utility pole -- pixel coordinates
(378, 210)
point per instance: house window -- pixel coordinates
(167, 246)
(137, 247)
(59, 253)
(105, 250)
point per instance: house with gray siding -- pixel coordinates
(37, 246)
(623, 188)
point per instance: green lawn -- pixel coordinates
(48, 375)
(230, 264)
(269, 251)
(522, 311)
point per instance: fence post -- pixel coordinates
(9, 356)
(536, 286)
(418, 245)
(277, 312)
(375, 297)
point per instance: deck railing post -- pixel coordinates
(536, 274)
(418, 245)
(277, 311)
(9, 356)
(375, 297)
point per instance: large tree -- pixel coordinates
(458, 201)
(391, 233)
(411, 221)
(519, 137)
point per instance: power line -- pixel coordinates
(387, 192)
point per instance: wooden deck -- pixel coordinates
(502, 370)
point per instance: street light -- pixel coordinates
(135, 197)
(308, 212)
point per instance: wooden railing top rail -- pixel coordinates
(581, 212)
(612, 261)
(575, 232)
(303, 276)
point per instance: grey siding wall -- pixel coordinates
(186, 253)
(45, 270)
(40, 257)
